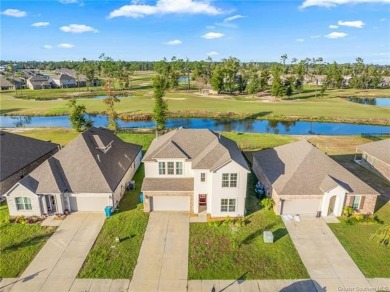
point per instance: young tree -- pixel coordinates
(108, 72)
(230, 70)
(277, 86)
(160, 110)
(77, 116)
(382, 235)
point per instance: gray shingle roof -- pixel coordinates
(299, 168)
(205, 148)
(168, 185)
(19, 151)
(81, 167)
(378, 149)
(4, 82)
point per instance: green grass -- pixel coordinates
(109, 259)
(229, 252)
(190, 104)
(372, 259)
(142, 139)
(19, 243)
(222, 253)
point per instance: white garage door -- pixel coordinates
(97, 203)
(301, 206)
(170, 203)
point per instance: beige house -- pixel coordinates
(375, 156)
(64, 81)
(89, 174)
(5, 84)
(303, 180)
(197, 171)
(39, 82)
(19, 156)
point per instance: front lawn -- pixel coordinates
(230, 252)
(19, 243)
(109, 259)
(372, 259)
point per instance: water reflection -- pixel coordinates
(228, 125)
(380, 101)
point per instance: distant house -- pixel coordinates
(81, 79)
(303, 180)
(5, 84)
(39, 82)
(376, 156)
(64, 81)
(385, 82)
(196, 171)
(19, 156)
(88, 174)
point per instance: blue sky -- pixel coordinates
(336, 30)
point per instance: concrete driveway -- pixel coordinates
(326, 260)
(57, 264)
(163, 259)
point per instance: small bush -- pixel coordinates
(140, 207)
(267, 203)
(348, 211)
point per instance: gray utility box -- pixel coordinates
(268, 237)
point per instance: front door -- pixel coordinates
(202, 202)
(51, 204)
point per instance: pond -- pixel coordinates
(105, 96)
(182, 79)
(379, 101)
(249, 126)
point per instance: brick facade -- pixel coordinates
(10, 181)
(367, 203)
(370, 162)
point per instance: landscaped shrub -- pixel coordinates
(140, 207)
(348, 211)
(267, 203)
(215, 223)
(361, 218)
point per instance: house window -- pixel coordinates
(229, 180)
(225, 180)
(161, 168)
(179, 168)
(171, 168)
(228, 205)
(202, 177)
(23, 203)
(356, 202)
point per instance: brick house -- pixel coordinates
(375, 156)
(19, 156)
(303, 180)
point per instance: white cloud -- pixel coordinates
(356, 23)
(332, 26)
(14, 13)
(40, 24)
(174, 43)
(234, 17)
(333, 3)
(300, 40)
(78, 28)
(166, 7)
(315, 36)
(336, 35)
(65, 46)
(212, 54)
(212, 35)
(69, 1)
(48, 47)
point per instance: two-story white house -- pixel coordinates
(197, 171)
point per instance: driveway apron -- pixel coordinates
(57, 264)
(326, 260)
(163, 260)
